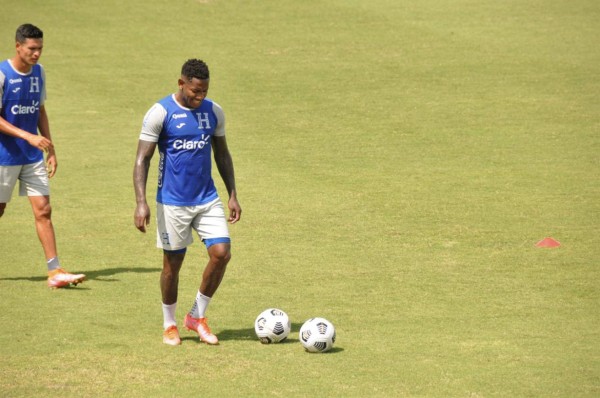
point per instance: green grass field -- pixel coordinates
(396, 162)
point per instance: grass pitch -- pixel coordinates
(396, 163)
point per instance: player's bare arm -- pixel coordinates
(224, 164)
(44, 128)
(37, 141)
(145, 150)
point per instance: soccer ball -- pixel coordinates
(317, 335)
(272, 326)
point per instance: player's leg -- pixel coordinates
(219, 255)
(42, 214)
(34, 185)
(169, 277)
(173, 236)
(211, 225)
(169, 288)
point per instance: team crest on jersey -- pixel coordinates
(34, 84)
(203, 121)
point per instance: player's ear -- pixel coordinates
(180, 82)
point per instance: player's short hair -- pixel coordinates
(195, 68)
(28, 31)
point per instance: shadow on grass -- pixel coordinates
(103, 275)
(248, 334)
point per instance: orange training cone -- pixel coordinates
(548, 242)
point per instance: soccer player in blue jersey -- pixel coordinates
(22, 115)
(186, 126)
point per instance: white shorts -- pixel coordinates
(33, 180)
(175, 225)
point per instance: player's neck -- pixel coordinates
(179, 98)
(19, 65)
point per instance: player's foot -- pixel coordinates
(61, 278)
(199, 326)
(171, 336)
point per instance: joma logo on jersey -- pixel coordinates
(25, 110)
(185, 145)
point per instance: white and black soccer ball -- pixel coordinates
(317, 335)
(272, 326)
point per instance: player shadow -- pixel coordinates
(103, 275)
(250, 334)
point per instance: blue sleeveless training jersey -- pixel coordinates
(184, 144)
(22, 96)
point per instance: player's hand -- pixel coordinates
(51, 164)
(40, 142)
(141, 218)
(235, 210)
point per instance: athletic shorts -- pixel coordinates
(175, 225)
(33, 180)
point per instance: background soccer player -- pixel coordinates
(185, 126)
(22, 114)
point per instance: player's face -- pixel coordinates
(192, 91)
(30, 50)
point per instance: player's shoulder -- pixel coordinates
(161, 105)
(157, 111)
(4, 71)
(215, 108)
(38, 70)
(213, 104)
(5, 66)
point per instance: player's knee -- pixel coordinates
(2, 207)
(43, 212)
(220, 253)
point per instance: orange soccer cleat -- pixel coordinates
(199, 326)
(61, 278)
(171, 336)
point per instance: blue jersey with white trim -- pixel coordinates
(185, 147)
(22, 96)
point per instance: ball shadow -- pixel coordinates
(250, 335)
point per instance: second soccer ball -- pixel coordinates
(317, 335)
(272, 326)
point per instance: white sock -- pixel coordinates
(169, 315)
(53, 264)
(199, 307)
